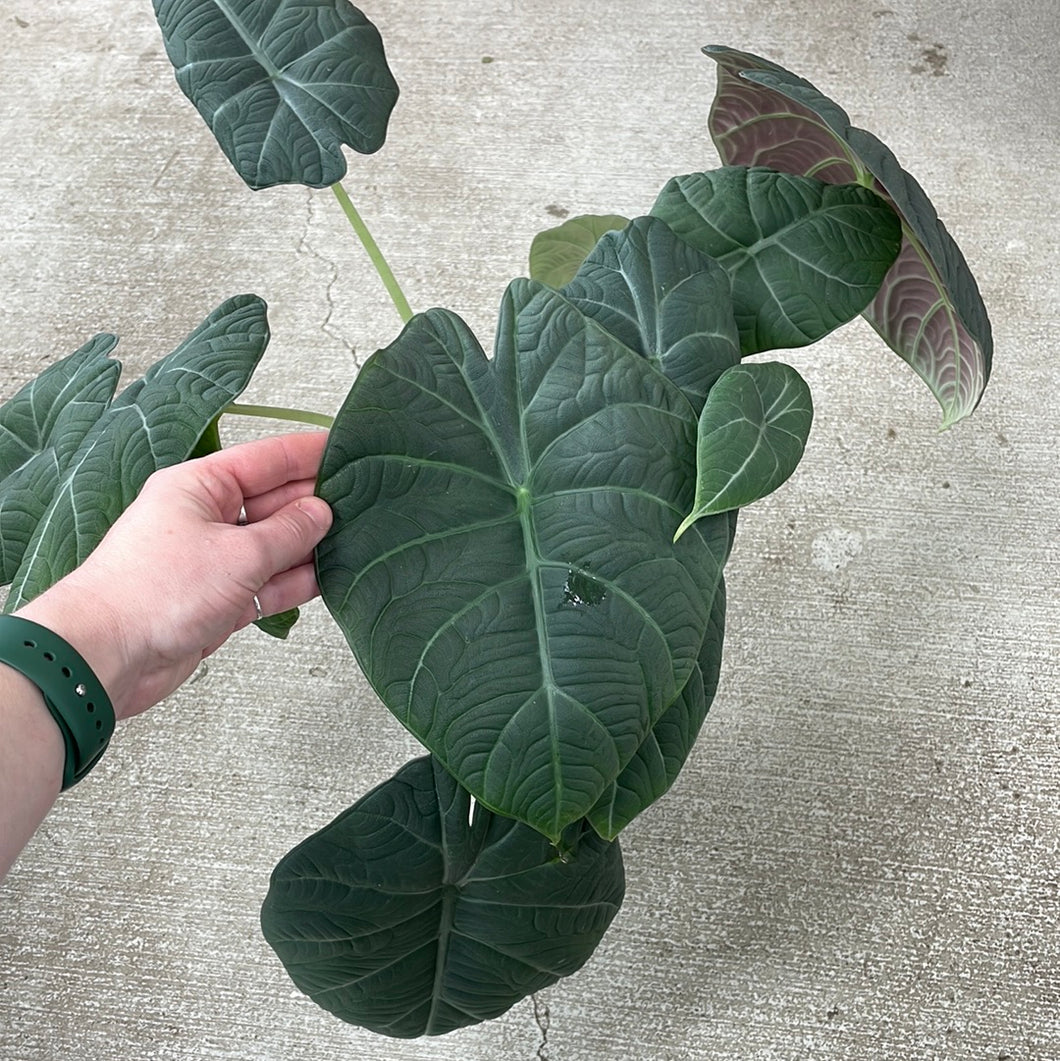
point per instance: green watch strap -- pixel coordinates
(77, 701)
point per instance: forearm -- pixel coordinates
(31, 763)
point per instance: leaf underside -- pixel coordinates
(283, 85)
(928, 309)
(502, 559)
(154, 423)
(409, 915)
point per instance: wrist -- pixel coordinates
(39, 751)
(70, 689)
(83, 620)
(32, 756)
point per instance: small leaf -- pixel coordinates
(752, 433)
(409, 915)
(502, 559)
(41, 428)
(804, 256)
(557, 253)
(282, 85)
(651, 772)
(661, 297)
(278, 625)
(928, 309)
(155, 422)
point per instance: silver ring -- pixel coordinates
(257, 609)
(241, 519)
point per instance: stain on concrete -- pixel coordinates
(932, 59)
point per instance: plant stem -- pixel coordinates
(381, 267)
(300, 416)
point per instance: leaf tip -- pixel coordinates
(685, 524)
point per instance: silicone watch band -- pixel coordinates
(77, 701)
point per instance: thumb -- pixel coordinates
(289, 535)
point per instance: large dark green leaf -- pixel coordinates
(557, 253)
(660, 296)
(501, 560)
(752, 433)
(928, 309)
(410, 915)
(41, 428)
(804, 256)
(155, 422)
(651, 772)
(282, 85)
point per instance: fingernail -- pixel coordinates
(318, 510)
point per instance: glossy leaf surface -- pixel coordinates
(409, 915)
(155, 422)
(664, 299)
(752, 433)
(651, 772)
(502, 560)
(803, 256)
(41, 428)
(282, 85)
(557, 253)
(928, 309)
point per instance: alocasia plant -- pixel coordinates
(528, 549)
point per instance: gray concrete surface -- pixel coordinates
(862, 859)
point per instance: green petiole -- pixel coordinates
(374, 253)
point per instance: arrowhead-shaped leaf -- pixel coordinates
(410, 916)
(804, 256)
(664, 299)
(928, 309)
(41, 427)
(557, 253)
(651, 772)
(282, 85)
(752, 432)
(501, 560)
(155, 422)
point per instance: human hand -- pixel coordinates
(177, 575)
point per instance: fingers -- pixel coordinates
(288, 536)
(289, 589)
(264, 505)
(262, 466)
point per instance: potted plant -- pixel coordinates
(528, 548)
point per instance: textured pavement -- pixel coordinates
(862, 858)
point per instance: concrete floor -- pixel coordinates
(862, 858)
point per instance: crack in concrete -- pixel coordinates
(543, 1019)
(306, 247)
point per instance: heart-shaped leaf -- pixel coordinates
(651, 772)
(928, 309)
(557, 253)
(501, 560)
(155, 422)
(409, 915)
(664, 299)
(41, 428)
(804, 256)
(752, 432)
(282, 85)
